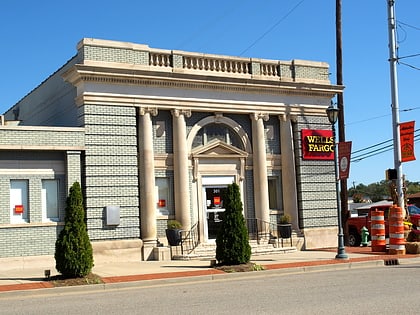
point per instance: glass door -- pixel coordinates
(214, 209)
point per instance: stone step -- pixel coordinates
(208, 250)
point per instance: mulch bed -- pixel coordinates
(61, 281)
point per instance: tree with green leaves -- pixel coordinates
(232, 242)
(73, 250)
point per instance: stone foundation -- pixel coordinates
(320, 238)
(119, 250)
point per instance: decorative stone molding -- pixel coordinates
(184, 112)
(148, 110)
(263, 116)
(217, 118)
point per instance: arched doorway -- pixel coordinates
(219, 152)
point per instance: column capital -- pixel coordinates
(148, 110)
(176, 112)
(285, 117)
(256, 116)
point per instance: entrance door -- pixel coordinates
(213, 210)
(213, 191)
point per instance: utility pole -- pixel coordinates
(394, 96)
(340, 106)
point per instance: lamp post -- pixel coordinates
(332, 114)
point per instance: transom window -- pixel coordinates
(220, 132)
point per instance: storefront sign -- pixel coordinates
(317, 144)
(407, 141)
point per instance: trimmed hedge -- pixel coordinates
(73, 250)
(232, 241)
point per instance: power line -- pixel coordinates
(271, 28)
(382, 116)
(408, 65)
(381, 150)
(406, 24)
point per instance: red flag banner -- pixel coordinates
(407, 141)
(344, 152)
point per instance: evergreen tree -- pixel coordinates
(232, 243)
(73, 250)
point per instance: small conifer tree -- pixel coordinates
(232, 242)
(73, 250)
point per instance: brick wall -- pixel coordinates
(110, 173)
(315, 181)
(34, 237)
(41, 136)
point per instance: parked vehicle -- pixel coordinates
(414, 213)
(355, 224)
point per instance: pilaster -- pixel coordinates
(289, 188)
(147, 181)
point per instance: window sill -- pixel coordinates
(29, 225)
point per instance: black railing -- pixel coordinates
(262, 230)
(189, 239)
(258, 230)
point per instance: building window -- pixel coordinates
(49, 200)
(19, 201)
(162, 195)
(217, 132)
(274, 193)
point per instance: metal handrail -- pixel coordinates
(257, 230)
(189, 239)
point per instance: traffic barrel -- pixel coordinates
(396, 231)
(378, 243)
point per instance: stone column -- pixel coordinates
(181, 178)
(262, 209)
(288, 170)
(147, 182)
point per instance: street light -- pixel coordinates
(332, 114)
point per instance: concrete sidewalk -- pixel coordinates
(28, 273)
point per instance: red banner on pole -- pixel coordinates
(407, 141)
(344, 152)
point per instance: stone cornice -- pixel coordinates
(188, 104)
(235, 84)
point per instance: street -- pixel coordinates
(380, 290)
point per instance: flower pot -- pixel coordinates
(174, 236)
(285, 230)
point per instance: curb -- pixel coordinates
(174, 278)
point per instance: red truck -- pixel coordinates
(355, 224)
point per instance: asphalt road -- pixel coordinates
(380, 290)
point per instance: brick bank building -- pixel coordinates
(156, 134)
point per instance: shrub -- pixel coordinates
(73, 250)
(232, 243)
(173, 225)
(285, 219)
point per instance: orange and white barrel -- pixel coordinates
(377, 231)
(396, 231)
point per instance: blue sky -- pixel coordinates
(38, 37)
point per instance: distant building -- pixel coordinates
(414, 199)
(156, 134)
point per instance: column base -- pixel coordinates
(147, 250)
(161, 253)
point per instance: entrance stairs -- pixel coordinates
(261, 247)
